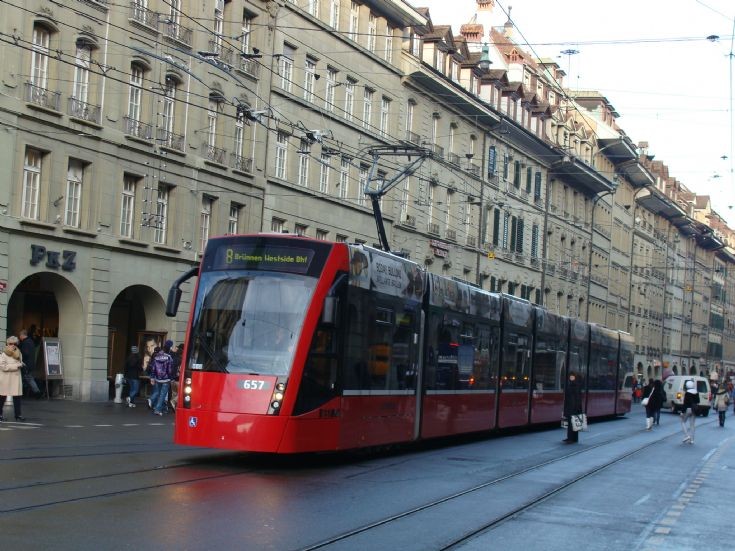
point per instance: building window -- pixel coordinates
(534, 241)
(341, 238)
(384, 116)
(415, 44)
(169, 110)
(367, 107)
(304, 158)
(239, 137)
(410, 108)
(233, 221)
(344, 177)
(31, 184)
(161, 218)
(212, 112)
(334, 14)
(448, 212)
(324, 169)
(331, 87)
(322, 235)
(74, 178)
(313, 7)
(309, 72)
(389, 44)
(135, 93)
(281, 155)
(219, 25)
(127, 206)
(372, 32)
(277, 225)
(80, 88)
(300, 230)
(354, 20)
(247, 26)
(286, 68)
(405, 196)
(349, 98)
(362, 183)
(39, 56)
(205, 220)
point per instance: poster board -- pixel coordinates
(53, 367)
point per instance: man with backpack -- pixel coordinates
(161, 369)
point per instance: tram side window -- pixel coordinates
(515, 371)
(602, 370)
(379, 350)
(548, 366)
(320, 372)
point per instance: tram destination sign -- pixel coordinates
(250, 256)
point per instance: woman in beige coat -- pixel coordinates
(10, 376)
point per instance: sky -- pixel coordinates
(652, 59)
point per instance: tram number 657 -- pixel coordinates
(249, 384)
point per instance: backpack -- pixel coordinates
(160, 366)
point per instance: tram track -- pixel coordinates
(343, 540)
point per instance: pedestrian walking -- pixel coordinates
(176, 353)
(28, 351)
(658, 389)
(572, 406)
(720, 403)
(133, 371)
(688, 414)
(652, 402)
(10, 377)
(161, 367)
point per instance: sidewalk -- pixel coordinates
(60, 412)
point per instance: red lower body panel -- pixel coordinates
(547, 407)
(513, 409)
(447, 414)
(372, 420)
(600, 403)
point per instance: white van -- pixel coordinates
(674, 390)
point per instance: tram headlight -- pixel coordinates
(187, 381)
(278, 396)
(275, 404)
(280, 387)
(187, 390)
(187, 399)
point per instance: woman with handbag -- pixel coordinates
(572, 407)
(10, 376)
(652, 402)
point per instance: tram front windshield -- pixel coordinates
(248, 321)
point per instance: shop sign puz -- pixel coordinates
(66, 260)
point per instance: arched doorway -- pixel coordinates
(136, 313)
(50, 306)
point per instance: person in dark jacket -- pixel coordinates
(28, 351)
(661, 393)
(572, 406)
(133, 371)
(653, 393)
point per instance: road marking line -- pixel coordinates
(102, 425)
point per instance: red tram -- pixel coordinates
(297, 345)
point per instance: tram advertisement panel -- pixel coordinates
(371, 269)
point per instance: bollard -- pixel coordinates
(119, 378)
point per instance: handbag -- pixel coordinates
(644, 402)
(579, 422)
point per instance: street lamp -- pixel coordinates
(484, 63)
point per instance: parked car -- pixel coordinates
(674, 390)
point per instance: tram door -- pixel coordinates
(515, 363)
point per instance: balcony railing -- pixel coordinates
(144, 16)
(223, 54)
(433, 228)
(84, 111)
(243, 164)
(409, 220)
(437, 150)
(471, 241)
(42, 97)
(178, 32)
(250, 67)
(413, 137)
(453, 158)
(170, 140)
(473, 169)
(215, 154)
(451, 235)
(137, 129)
